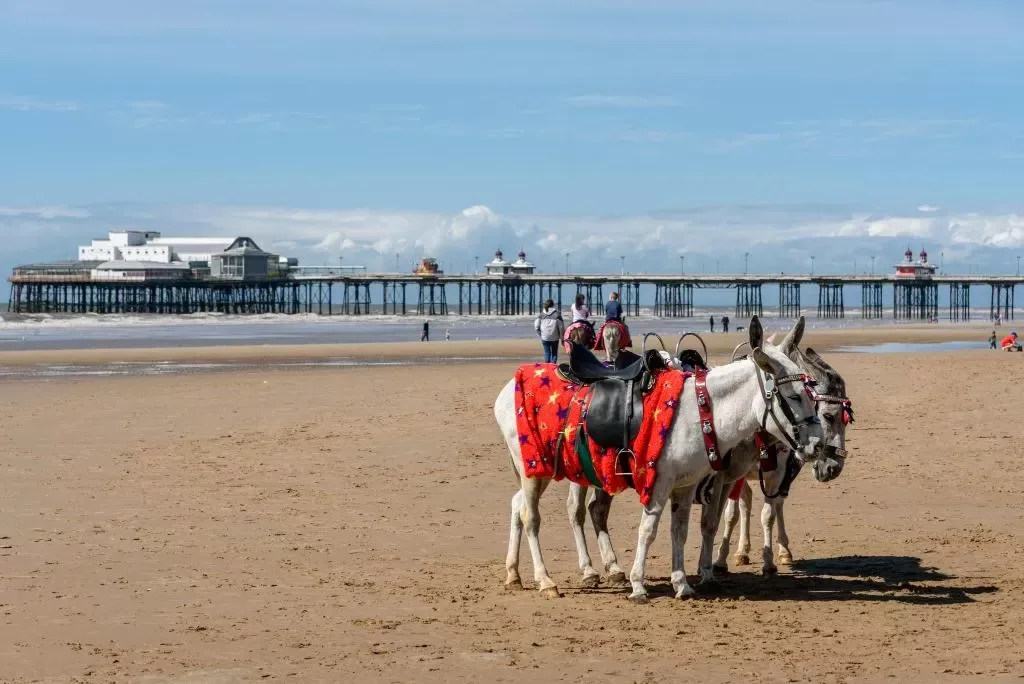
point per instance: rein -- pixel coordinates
(769, 388)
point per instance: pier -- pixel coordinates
(360, 294)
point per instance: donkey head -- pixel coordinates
(834, 411)
(783, 391)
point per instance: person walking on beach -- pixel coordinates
(725, 324)
(712, 319)
(992, 341)
(425, 337)
(550, 326)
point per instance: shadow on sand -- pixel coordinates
(846, 578)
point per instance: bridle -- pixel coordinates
(794, 463)
(769, 386)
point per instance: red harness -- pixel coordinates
(767, 452)
(707, 420)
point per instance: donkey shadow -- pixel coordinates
(900, 579)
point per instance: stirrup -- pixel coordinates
(618, 459)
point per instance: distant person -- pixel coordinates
(992, 341)
(613, 309)
(712, 320)
(580, 312)
(1010, 342)
(550, 327)
(447, 334)
(725, 324)
(425, 337)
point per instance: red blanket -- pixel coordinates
(545, 408)
(624, 340)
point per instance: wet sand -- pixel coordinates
(720, 345)
(350, 524)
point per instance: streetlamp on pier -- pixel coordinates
(623, 260)
(872, 265)
(567, 263)
(812, 265)
(1018, 266)
(476, 264)
(746, 257)
(682, 264)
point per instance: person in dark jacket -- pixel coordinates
(613, 309)
(712, 319)
(425, 337)
(725, 324)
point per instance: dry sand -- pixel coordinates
(350, 524)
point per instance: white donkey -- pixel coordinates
(743, 461)
(744, 395)
(611, 337)
(836, 412)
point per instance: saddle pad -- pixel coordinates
(624, 339)
(545, 408)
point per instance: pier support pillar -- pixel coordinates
(959, 302)
(748, 300)
(915, 300)
(1002, 301)
(871, 300)
(830, 300)
(789, 300)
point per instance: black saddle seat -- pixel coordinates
(588, 368)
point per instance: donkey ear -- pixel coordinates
(764, 362)
(792, 339)
(756, 333)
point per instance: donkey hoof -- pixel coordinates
(550, 593)
(514, 585)
(640, 599)
(742, 559)
(591, 581)
(617, 579)
(785, 557)
(720, 570)
(769, 571)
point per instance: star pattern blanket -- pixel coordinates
(545, 407)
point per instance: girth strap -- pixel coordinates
(707, 421)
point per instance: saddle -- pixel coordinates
(616, 408)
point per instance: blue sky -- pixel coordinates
(536, 109)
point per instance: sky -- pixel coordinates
(651, 129)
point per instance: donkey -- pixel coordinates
(744, 395)
(611, 337)
(835, 412)
(743, 463)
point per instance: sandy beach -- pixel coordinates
(350, 524)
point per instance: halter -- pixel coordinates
(847, 408)
(770, 389)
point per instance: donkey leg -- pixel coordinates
(515, 538)
(649, 518)
(785, 557)
(711, 514)
(743, 545)
(532, 490)
(731, 516)
(600, 506)
(768, 524)
(682, 499)
(576, 505)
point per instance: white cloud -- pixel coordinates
(31, 104)
(927, 209)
